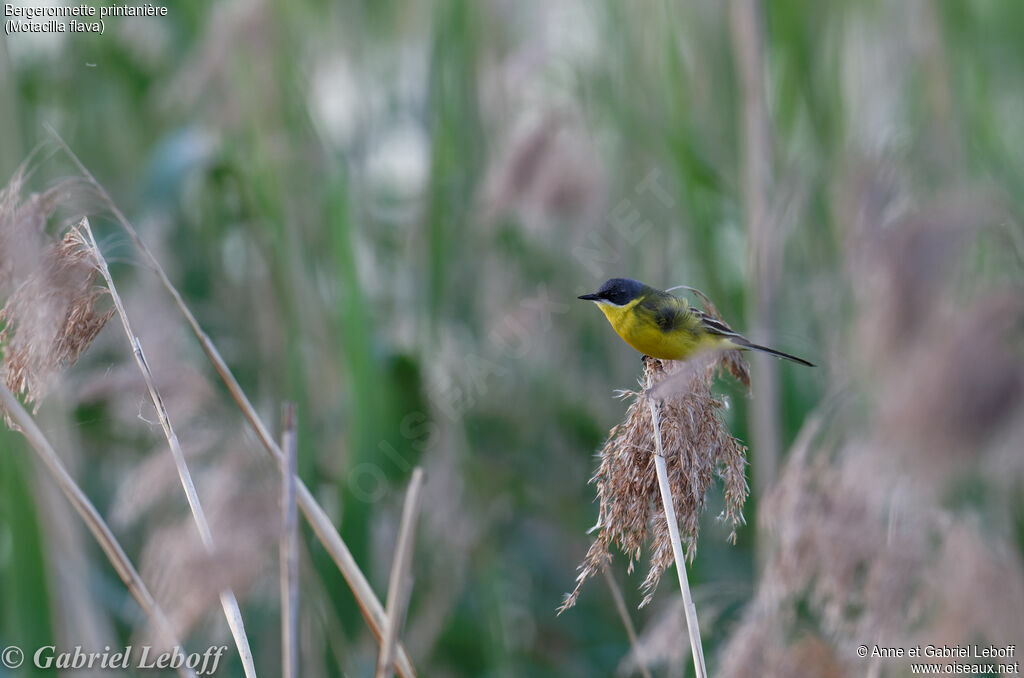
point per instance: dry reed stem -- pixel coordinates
(232, 613)
(677, 546)
(765, 249)
(27, 426)
(289, 548)
(627, 621)
(371, 608)
(318, 519)
(400, 581)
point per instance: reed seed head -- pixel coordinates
(52, 314)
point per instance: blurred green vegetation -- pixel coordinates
(384, 211)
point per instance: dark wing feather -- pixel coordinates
(667, 311)
(715, 326)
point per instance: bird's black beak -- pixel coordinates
(589, 297)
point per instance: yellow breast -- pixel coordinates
(638, 328)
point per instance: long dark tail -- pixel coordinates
(715, 326)
(764, 349)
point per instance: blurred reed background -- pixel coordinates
(383, 211)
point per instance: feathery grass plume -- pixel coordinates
(547, 173)
(658, 645)
(697, 447)
(22, 223)
(188, 578)
(52, 315)
(980, 353)
(862, 557)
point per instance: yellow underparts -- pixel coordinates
(638, 328)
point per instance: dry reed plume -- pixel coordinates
(51, 316)
(186, 576)
(697, 448)
(22, 225)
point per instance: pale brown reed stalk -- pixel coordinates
(400, 581)
(289, 548)
(26, 425)
(692, 627)
(765, 250)
(232, 612)
(323, 528)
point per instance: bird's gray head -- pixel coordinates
(617, 291)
